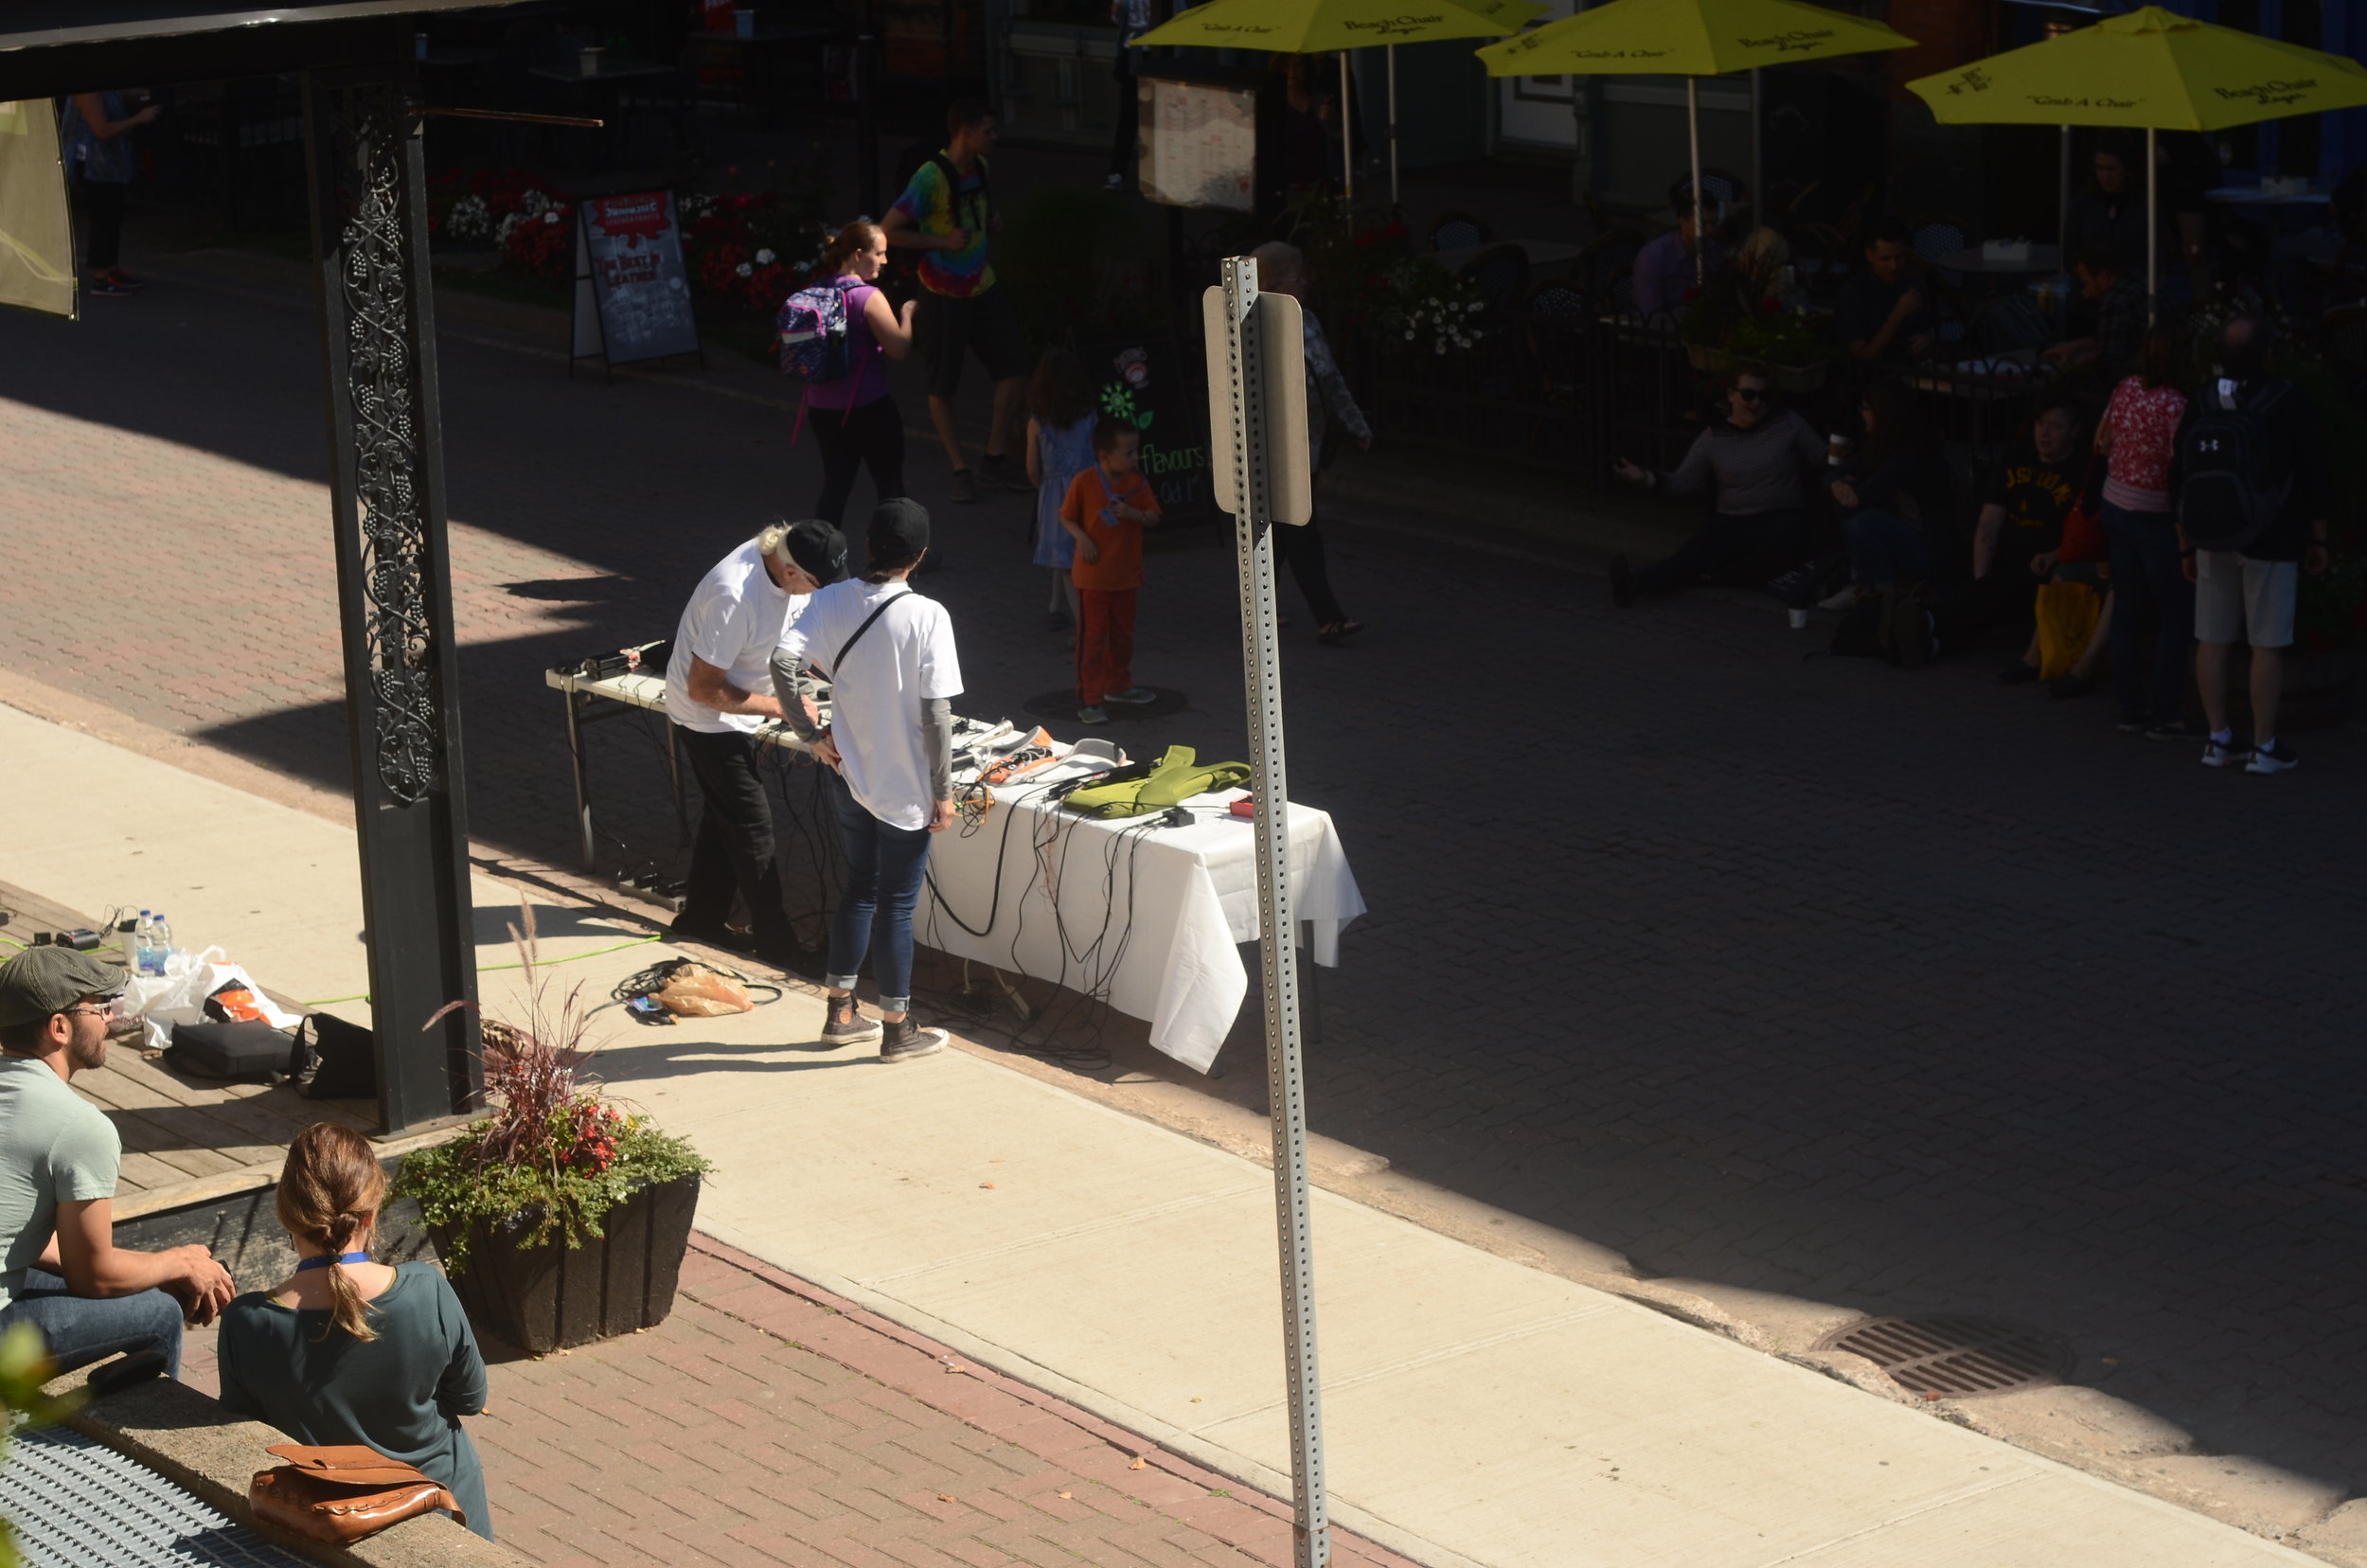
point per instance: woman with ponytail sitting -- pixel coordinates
(352, 1351)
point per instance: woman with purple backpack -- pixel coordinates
(854, 416)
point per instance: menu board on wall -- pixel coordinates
(1199, 144)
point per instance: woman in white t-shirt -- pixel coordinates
(888, 654)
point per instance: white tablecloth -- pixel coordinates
(1148, 918)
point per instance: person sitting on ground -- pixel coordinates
(1882, 314)
(1754, 462)
(2082, 560)
(63, 1272)
(1896, 500)
(2120, 306)
(1666, 270)
(346, 1350)
(2023, 502)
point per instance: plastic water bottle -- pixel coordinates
(159, 943)
(143, 944)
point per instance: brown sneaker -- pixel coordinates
(847, 1026)
(906, 1040)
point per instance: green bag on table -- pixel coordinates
(1176, 777)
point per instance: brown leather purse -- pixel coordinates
(340, 1494)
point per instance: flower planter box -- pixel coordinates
(1782, 378)
(549, 1297)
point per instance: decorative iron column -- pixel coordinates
(394, 584)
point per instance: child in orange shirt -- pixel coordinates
(1105, 511)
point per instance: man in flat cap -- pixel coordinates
(60, 1268)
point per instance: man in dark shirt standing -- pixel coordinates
(1882, 314)
(2251, 592)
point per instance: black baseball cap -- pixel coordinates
(44, 981)
(900, 531)
(814, 545)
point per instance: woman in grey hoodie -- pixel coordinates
(1754, 462)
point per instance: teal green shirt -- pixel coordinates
(403, 1393)
(55, 1147)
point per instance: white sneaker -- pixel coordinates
(2274, 757)
(2224, 754)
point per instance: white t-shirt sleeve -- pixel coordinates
(717, 624)
(940, 665)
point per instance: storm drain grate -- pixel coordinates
(1954, 1356)
(77, 1503)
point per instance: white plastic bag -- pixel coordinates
(178, 996)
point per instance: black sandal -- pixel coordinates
(1338, 630)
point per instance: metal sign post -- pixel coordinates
(1258, 413)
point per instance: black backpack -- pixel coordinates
(2235, 466)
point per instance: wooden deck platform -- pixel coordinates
(184, 1140)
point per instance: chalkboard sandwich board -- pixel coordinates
(633, 293)
(1148, 384)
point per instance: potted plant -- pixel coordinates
(561, 1217)
(1723, 327)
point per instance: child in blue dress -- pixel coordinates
(1059, 447)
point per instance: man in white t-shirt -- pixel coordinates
(889, 656)
(719, 694)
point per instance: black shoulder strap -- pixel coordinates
(876, 610)
(985, 202)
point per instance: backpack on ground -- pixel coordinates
(813, 324)
(2236, 467)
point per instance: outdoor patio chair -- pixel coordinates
(1606, 255)
(1452, 231)
(1557, 315)
(1819, 255)
(1619, 296)
(1500, 273)
(1937, 237)
(2342, 331)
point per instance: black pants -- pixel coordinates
(873, 435)
(1302, 549)
(1746, 550)
(734, 852)
(103, 202)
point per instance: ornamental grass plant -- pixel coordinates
(556, 1156)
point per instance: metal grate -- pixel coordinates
(1952, 1357)
(74, 1502)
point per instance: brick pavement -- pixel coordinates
(769, 1421)
(1816, 980)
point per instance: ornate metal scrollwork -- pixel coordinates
(371, 127)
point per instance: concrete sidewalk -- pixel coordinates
(1478, 1412)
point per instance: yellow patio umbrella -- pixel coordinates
(1321, 26)
(2152, 70)
(1691, 38)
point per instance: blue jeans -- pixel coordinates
(2150, 584)
(884, 865)
(81, 1329)
(1886, 551)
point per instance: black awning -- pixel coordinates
(51, 48)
